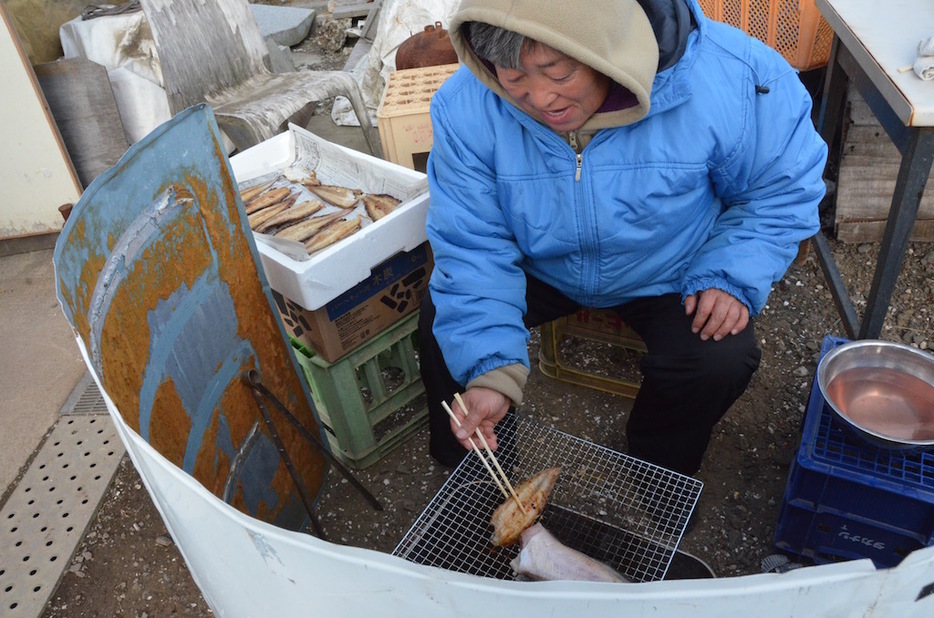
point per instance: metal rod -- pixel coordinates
(252, 377)
(913, 173)
(246, 447)
(299, 484)
(838, 289)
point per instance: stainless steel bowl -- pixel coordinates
(883, 390)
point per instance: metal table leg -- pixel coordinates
(916, 145)
(913, 173)
(837, 288)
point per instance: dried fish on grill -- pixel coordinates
(330, 234)
(342, 197)
(379, 205)
(304, 230)
(543, 557)
(267, 198)
(509, 520)
(251, 192)
(260, 216)
(298, 212)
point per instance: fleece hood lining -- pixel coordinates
(618, 41)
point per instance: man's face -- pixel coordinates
(553, 88)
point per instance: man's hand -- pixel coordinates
(485, 408)
(716, 314)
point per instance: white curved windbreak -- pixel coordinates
(245, 567)
(154, 275)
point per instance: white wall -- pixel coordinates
(36, 175)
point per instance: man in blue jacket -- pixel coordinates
(618, 154)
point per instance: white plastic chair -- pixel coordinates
(212, 51)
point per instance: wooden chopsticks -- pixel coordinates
(511, 491)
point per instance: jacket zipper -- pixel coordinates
(572, 140)
(587, 273)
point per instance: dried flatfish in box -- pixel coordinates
(342, 197)
(378, 206)
(249, 193)
(260, 216)
(509, 520)
(293, 214)
(267, 198)
(332, 233)
(301, 232)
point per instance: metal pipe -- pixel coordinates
(253, 379)
(299, 484)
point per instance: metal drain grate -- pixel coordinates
(48, 512)
(86, 398)
(622, 511)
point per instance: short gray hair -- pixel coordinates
(498, 45)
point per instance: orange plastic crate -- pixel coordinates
(795, 28)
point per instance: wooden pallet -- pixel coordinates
(868, 170)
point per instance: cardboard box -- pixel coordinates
(363, 312)
(313, 281)
(403, 116)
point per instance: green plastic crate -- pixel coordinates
(372, 399)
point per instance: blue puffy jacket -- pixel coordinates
(714, 187)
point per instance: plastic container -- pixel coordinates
(596, 325)
(371, 400)
(403, 116)
(846, 498)
(795, 28)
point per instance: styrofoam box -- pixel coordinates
(314, 282)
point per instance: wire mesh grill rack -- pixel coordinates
(625, 512)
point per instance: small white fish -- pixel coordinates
(543, 557)
(378, 206)
(333, 232)
(266, 198)
(342, 197)
(304, 230)
(248, 194)
(290, 215)
(258, 218)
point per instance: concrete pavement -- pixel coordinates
(40, 364)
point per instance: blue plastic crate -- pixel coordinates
(849, 498)
(829, 536)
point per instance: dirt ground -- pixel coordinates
(128, 565)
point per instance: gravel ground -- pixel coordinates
(128, 565)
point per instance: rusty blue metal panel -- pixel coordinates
(158, 273)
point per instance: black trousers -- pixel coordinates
(687, 384)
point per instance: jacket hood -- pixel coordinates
(615, 37)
